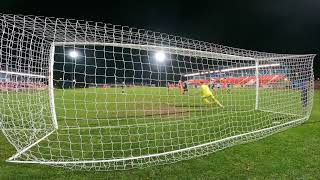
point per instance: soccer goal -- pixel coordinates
(95, 96)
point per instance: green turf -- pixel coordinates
(106, 124)
(289, 154)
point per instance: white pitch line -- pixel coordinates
(159, 154)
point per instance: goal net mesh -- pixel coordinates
(94, 96)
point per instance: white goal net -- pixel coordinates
(94, 96)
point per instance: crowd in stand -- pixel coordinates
(22, 85)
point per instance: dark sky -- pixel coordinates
(279, 26)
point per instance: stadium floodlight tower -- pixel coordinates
(49, 123)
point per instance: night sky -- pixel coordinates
(279, 26)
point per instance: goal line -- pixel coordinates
(248, 136)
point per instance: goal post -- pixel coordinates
(257, 84)
(94, 96)
(51, 87)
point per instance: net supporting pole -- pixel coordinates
(12, 158)
(51, 88)
(24, 74)
(257, 84)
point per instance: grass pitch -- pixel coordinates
(270, 157)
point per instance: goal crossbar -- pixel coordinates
(176, 50)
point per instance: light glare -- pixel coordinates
(73, 54)
(160, 56)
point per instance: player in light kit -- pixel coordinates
(180, 87)
(123, 85)
(207, 95)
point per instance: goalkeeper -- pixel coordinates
(207, 95)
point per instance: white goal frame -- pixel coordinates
(154, 48)
(180, 46)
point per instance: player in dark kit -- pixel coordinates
(185, 87)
